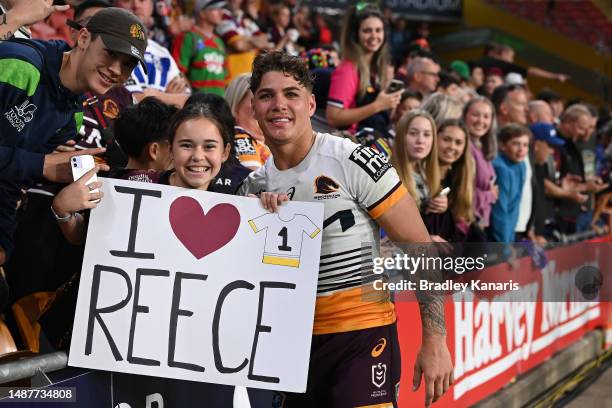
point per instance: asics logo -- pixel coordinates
(379, 348)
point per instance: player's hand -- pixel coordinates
(271, 201)
(28, 12)
(78, 196)
(57, 165)
(66, 147)
(433, 363)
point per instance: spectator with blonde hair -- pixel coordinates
(415, 157)
(479, 117)
(249, 144)
(457, 171)
(442, 106)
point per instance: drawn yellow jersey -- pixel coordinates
(357, 185)
(284, 237)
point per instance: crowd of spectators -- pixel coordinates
(483, 156)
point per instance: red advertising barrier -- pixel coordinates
(495, 336)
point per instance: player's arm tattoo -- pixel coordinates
(431, 302)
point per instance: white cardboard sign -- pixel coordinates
(198, 286)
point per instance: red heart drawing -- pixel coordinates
(202, 233)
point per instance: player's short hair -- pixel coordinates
(141, 124)
(281, 62)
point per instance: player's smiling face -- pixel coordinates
(283, 108)
(198, 152)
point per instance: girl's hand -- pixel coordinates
(387, 101)
(437, 204)
(78, 196)
(271, 201)
(495, 191)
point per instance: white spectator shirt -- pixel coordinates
(526, 204)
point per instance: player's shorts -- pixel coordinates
(356, 369)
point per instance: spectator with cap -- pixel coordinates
(44, 114)
(357, 94)
(162, 78)
(99, 111)
(200, 53)
(545, 141)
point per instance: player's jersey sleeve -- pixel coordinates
(372, 180)
(255, 183)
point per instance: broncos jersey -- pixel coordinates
(357, 185)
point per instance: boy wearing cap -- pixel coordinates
(41, 87)
(200, 53)
(545, 141)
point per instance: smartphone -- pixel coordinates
(444, 192)
(81, 165)
(395, 85)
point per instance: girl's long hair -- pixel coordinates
(461, 197)
(489, 140)
(354, 52)
(429, 166)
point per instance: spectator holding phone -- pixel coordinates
(457, 171)
(357, 95)
(479, 117)
(415, 157)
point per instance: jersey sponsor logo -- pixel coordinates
(379, 374)
(379, 348)
(374, 164)
(20, 115)
(278, 399)
(244, 146)
(110, 110)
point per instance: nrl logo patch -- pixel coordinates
(379, 374)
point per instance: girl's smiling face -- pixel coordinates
(198, 152)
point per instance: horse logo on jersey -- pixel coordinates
(111, 110)
(379, 374)
(326, 186)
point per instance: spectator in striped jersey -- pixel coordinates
(163, 79)
(200, 53)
